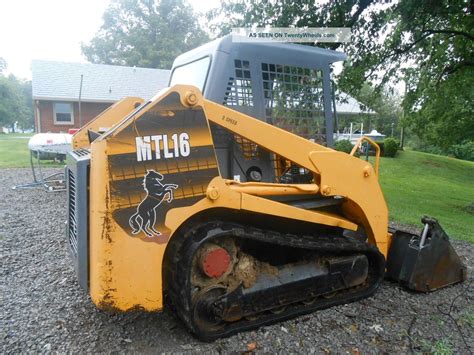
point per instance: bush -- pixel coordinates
(344, 146)
(415, 143)
(390, 147)
(464, 151)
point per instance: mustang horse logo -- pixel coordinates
(145, 217)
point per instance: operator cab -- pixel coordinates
(286, 85)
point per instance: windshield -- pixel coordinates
(193, 73)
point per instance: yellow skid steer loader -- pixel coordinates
(221, 197)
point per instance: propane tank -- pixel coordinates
(50, 146)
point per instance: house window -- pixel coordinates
(63, 113)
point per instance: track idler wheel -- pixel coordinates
(204, 315)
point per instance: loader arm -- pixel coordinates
(105, 120)
(339, 174)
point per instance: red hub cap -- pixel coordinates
(215, 262)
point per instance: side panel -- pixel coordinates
(162, 158)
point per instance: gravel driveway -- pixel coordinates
(44, 309)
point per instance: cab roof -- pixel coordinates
(229, 43)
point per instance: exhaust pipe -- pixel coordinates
(424, 263)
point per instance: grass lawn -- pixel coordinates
(14, 152)
(417, 184)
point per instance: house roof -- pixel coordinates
(54, 80)
(348, 105)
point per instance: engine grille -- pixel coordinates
(72, 222)
(77, 229)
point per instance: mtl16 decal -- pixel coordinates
(147, 145)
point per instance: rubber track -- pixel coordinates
(180, 287)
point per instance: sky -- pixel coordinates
(53, 29)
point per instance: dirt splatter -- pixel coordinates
(246, 270)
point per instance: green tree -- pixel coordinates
(16, 105)
(429, 44)
(145, 33)
(27, 121)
